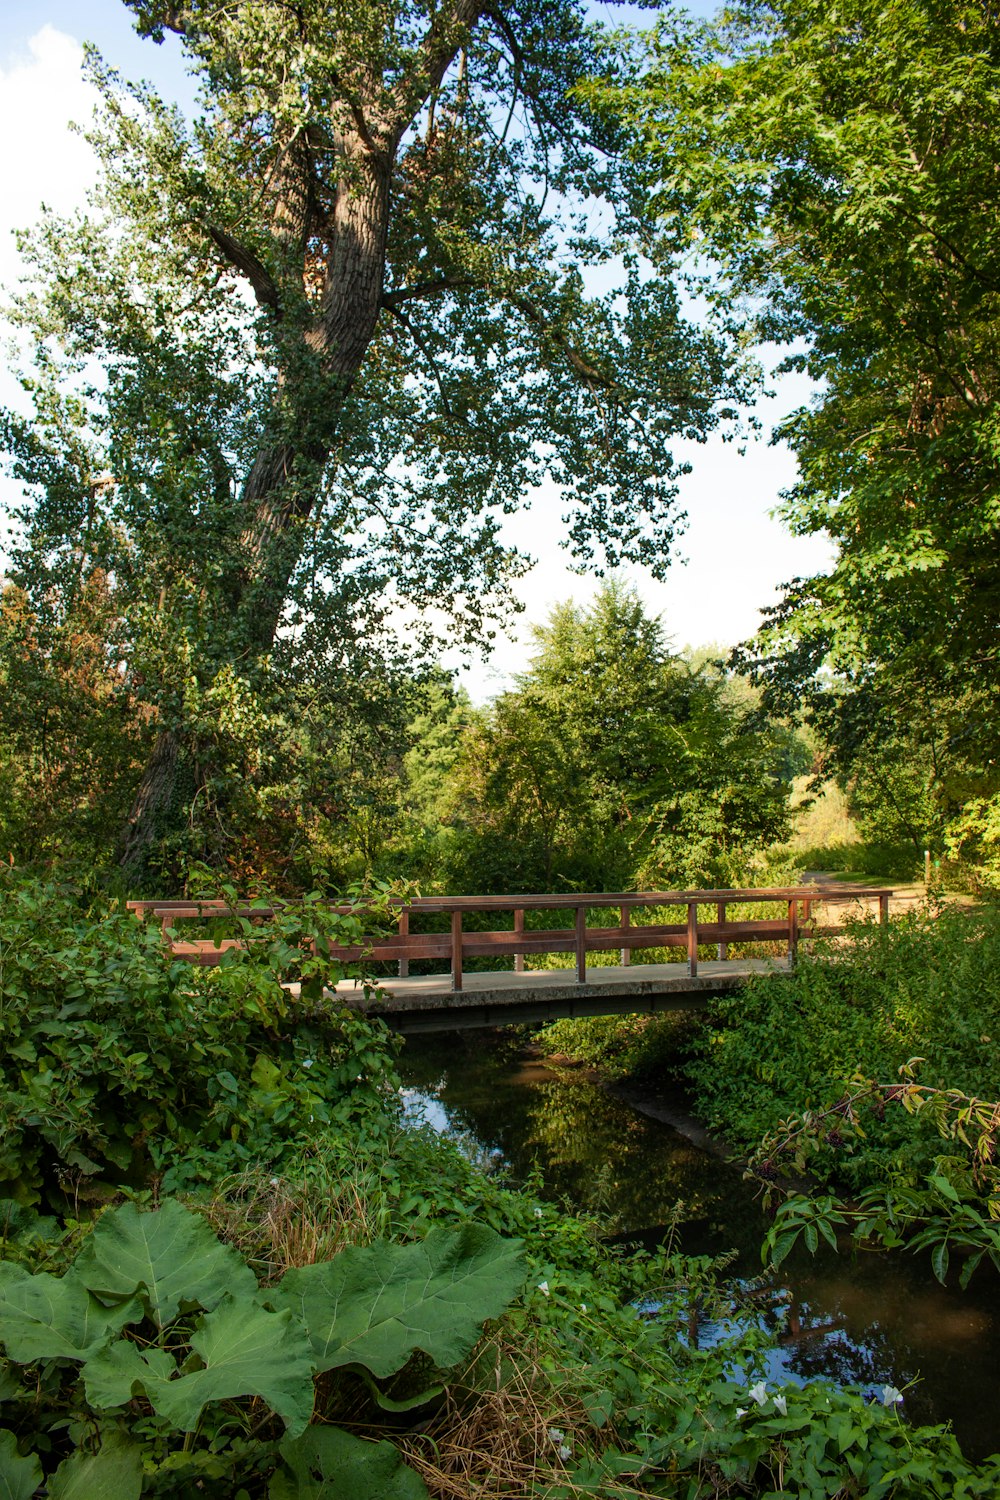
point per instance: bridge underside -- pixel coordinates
(427, 1002)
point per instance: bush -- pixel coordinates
(923, 985)
(122, 1065)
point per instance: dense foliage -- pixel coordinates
(925, 986)
(615, 764)
(838, 165)
(121, 1064)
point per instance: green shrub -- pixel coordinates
(121, 1065)
(924, 985)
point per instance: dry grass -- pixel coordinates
(276, 1224)
(499, 1434)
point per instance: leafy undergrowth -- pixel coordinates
(309, 1326)
(122, 1065)
(927, 985)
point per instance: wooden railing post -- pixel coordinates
(883, 909)
(581, 949)
(404, 931)
(692, 938)
(626, 952)
(456, 951)
(722, 951)
(518, 932)
(793, 931)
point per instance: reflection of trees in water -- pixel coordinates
(590, 1148)
(859, 1323)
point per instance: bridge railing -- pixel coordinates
(798, 906)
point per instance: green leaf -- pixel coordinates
(19, 1477)
(113, 1473)
(328, 1464)
(246, 1350)
(112, 1374)
(377, 1305)
(11, 1388)
(945, 1188)
(56, 1317)
(939, 1261)
(169, 1256)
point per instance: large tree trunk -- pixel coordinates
(151, 809)
(323, 293)
(281, 488)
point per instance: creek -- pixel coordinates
(864, 1320)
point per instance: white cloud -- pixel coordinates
(41, 93)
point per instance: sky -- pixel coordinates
(736, 552)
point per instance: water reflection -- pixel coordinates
(866, 1321)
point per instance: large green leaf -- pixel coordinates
(376, 1306)
(56, 1317)
(19, 1477)
(113, 1473)
(11, 1271)
(328, 1464)
(119, 1371)
(170, 1256)
(246, 1350)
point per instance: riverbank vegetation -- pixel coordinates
(282, 382)
(189, 1268)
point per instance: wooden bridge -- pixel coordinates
(458, 999)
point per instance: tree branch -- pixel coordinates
(421, 344)
(594, 378)
(244, 261)
(421, 289)
(440, 43)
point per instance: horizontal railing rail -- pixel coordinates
(459, 943)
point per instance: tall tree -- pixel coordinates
(342, 322)
(839, 164)
(615, 764)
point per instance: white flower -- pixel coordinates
(556, 1436)
(565, 1452)
(307, 1062)
(741, 1411)
(538, 1213)
(890, 1395)
(543, 1287)
(275, 1181)
(781, 1406)
(758, 1393)
(583, 1307)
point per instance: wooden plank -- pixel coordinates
(581, 945)
(404, 932)
(456, 951)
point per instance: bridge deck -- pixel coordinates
(429, 1002)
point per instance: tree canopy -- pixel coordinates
(304, 351)
(616, 764)
(839, 166)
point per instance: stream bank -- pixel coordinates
(649, 1169)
